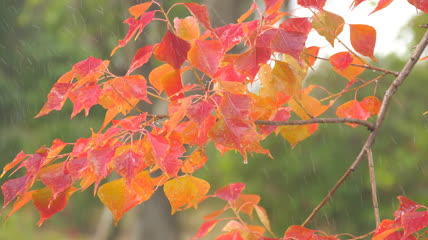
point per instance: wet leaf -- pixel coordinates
(206, 55)
(201, 13)
(205, 228)
(139, 9)
(318, 4)
(420, 4)
(230, 192)
(187, 28)
(141, 57)
(172, 50)
(185, 191)
(363, 39)
(352, 109)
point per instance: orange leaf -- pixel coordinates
(56, 98)
(18, 158)
(297, 133)
(20, 202)
(246, 203)
(371, 104)
(47, 205)
(206, 55)
(309, 53)
(273, 6)
(350, 72)
(244, 16)
(120, 197)
(139, 9)
(165, 77)
(328, 25)
(341, 60)
(195, 161)
(299, 232)
(187, 28)
(363, 39)
(185, 192)
(230, 192)
(352, 109)
(172, 50)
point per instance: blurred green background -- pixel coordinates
(41, 39)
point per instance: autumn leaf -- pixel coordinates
(341, 65)
(99, 159)
(352, 109)
(244, 16)
(230, 192)
(13, 188)
(84, 98)
(248, 63)
(56, 177)
(235, 235)
(195, 161)
(328, 25)
(47, 205)
(141, 57)
(246, 203)
(56, 98)
(18, 158)
(128, 165)
(166, 78)
(135, 27)
(420, 4)
(229, 35)
(187, 28)
(201, 13)
(414, 221)
(297, 133)
(205, 228)
(371, 104)
(318, 4)
(363, 39)
(119, 197)
(137, 10)
(261, 213)
(299, 232)
(273, 6)
(172, 50)
(185, 191)
(206, 55)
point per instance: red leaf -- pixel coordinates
(84, 98)
(381, 5)
(47, 206)
(205, 228)
(128, 165)
(283, 114)
(200, 12)
(341, 60)
(301, 25)
(56, 98)
(56, 177)
(273, 6)
(165, 77)
(406, 206)
(99, 159)
(289, 42)
(134, 26)
(229, 35)
(139, 9)
(413, 222)
(363, 39)
(206, 55)
(172, 50)
(200, 111)
(167, 153)
(318, 4)
(298, 232)
(248, 63)
(13, 188)
(132, 123)
(420, 4)
(235, 235)
(352, 109)
(136, 86)
(355, 3)
(229, 74)
(141, 57)
(230, 192)
(87, 66)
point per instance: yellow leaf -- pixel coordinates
(185, 192)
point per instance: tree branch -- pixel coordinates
(373, 185)
(404, 73)
(368, 124)
(368, 66)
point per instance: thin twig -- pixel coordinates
(368, 124)
(373, 185)
(368, 66)
(404, 73)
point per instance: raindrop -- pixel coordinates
(245, 161)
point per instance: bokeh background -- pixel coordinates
(41, 39)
